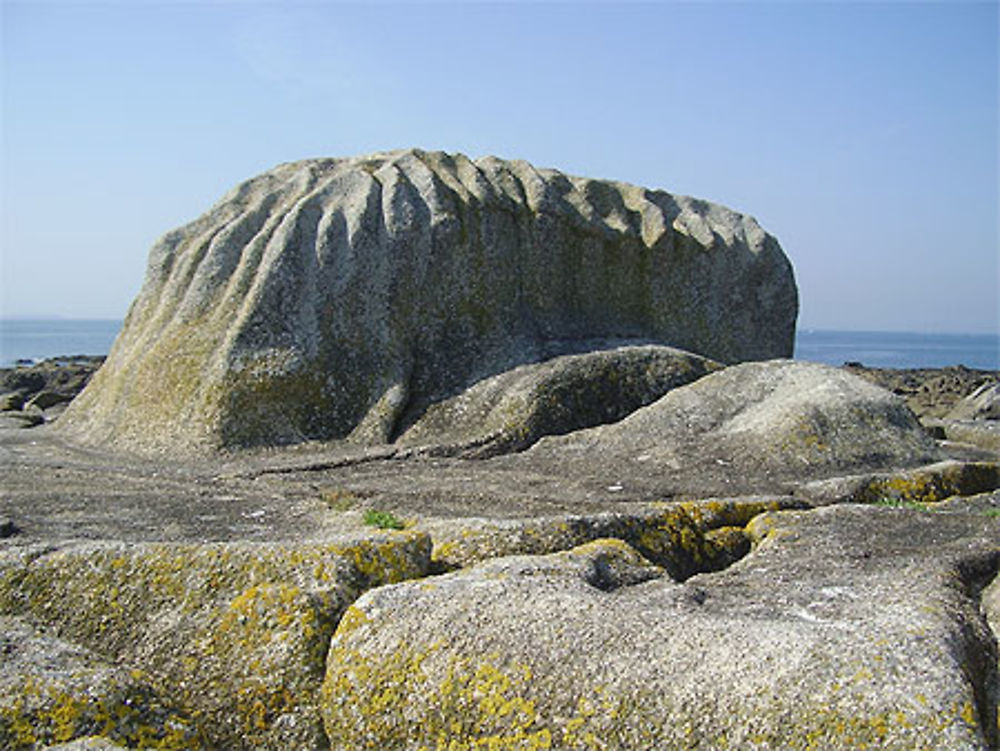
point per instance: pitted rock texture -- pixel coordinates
(330, 298)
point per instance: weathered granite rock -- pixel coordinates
(923, 485)
(510, 411)
(236, 634)
(44, 400)
(755, 424)
(12, 400)
(62, 376)
(53, 691)
(20, 419)
(981, 404)
(984, 434)
(338, 297)
(930, 392)
(847, 627)
(683, 538)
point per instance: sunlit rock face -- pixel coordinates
(335, 298)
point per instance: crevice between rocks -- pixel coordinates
(980, 576)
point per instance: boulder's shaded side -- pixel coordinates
(753, 426)
(847, 627)
(332, 297)
(236, 634)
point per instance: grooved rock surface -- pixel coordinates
(337, 298)
(846, 627)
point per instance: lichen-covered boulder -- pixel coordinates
(510, 411)
(846, 627)
(52, 691)
(683, 538)
(336, 297)
(234, 633)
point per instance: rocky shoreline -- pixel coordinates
(412, 451)
(132, 521)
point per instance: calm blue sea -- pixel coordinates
(37, 339)
(30, 339)
(878, 349)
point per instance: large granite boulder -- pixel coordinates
(847, 627)
(336, 298)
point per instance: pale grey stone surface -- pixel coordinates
(754, 425)
(981, 404)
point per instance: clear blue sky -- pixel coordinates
(864, 136)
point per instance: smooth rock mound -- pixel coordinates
(753, 425)
(333, 298)
(511, 411)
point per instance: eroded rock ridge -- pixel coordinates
(336, 298)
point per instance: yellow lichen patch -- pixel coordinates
(931, 484)
(237, 632)
(46, 711)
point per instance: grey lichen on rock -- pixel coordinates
(327, 298)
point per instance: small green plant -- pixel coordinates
(382, 520)
(993, 513)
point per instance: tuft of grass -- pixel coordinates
(993, 513)
(382, 520)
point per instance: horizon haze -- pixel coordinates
(862, 135)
